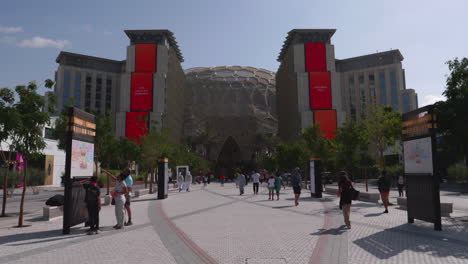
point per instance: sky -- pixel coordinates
(245, 32)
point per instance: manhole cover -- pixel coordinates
(265, 261)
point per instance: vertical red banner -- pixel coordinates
(141, 97)
(145, 57)
(327, 121)
(137, 125)
(320, 90)
(315, 57)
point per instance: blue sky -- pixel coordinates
(243, 32)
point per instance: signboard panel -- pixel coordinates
(141, 97)
(145, 57)
(320, 90)
(418, 156)
(327, 121)
(136, 125)
(315, 57)
(82, 157)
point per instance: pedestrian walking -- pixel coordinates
(296, 184)
(180, 181)
(383, 184)
(284, 177)
(205, 180)
(93, 204)
(345, 188)
(255, 181)
(119, 192)
(188, 181)
(222, 179)
(241, 182)
(278, 184)
(401, 184)
(271, 188)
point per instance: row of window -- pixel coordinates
(75, 98)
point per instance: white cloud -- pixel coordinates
(40, 42)
(7, 40)
(431, 98)
(10, 29)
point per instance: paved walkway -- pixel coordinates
(216, 225)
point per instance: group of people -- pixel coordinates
(184, 183)
(121, 196)
(346, 192)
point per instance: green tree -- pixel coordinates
(9, 120)
(319, 146)
(290, 155)
(452, 115)
(383, 125)
(126, 150)
(29, 140)
(351, 144)
(104, 141)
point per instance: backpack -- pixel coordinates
(92, 193)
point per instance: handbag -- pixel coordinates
(354, 194)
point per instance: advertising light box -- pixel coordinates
(320, 90)
(315, 57)
(141, 98)
(145, 57)
(136, 125)
(418, 156)
(327, 121)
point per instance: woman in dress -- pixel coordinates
(344, 190)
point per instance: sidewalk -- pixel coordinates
(216, 225)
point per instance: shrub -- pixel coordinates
(458, 173)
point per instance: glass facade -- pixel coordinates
(97, 104)
(77, 94)
(108, 94)
(382, 88)
(352, 97)
(394, 90)
(88, 93)
(66, 88)
(406, 102)
(372, 89)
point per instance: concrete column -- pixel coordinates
(130, 64)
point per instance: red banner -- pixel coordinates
(145, 57)
(136, 125)
(315, 57)
(327, 121)
(320, 90)
(141, 97)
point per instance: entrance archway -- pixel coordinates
(229, 158)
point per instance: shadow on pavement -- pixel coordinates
(373, 215)
(332, 231)
(284, 206)
(55, 234)
(389, 243)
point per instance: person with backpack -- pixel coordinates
(383, 184)
(93, 204)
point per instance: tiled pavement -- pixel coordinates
(216, 225)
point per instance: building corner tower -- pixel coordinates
(152, 85)
(307, 84)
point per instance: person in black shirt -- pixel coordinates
(93, 204)
(344, 190)
(383, 184)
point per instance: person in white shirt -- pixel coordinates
(180, 181)
(255, 181)
(271, 188)
(188, 181)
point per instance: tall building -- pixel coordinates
(312, 83)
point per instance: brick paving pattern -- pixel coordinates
(216, 225)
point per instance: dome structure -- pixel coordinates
(234, 102)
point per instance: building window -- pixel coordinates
(49, 133)
(393, 88)
(97, 104)
(382, 88)
(108, 94)
(88, 93)
(77, 94)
